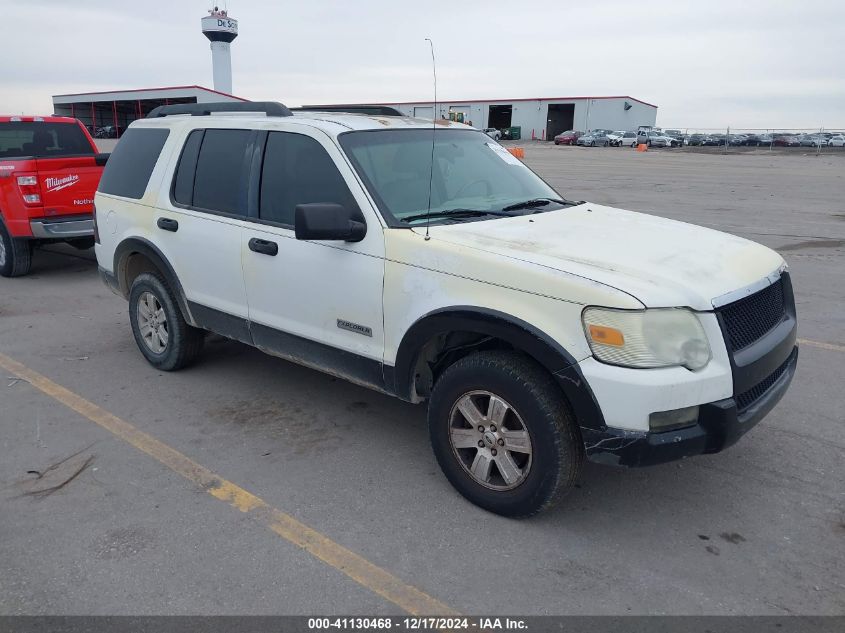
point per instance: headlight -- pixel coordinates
(663, 337)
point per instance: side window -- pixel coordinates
(183, 182)
(132, 162)
(297, 170)
(217, 183)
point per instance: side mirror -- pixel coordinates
(101, 159)
(327, 221)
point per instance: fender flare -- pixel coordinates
(516, 332)
(141, 246)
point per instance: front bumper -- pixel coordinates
(63, 228)
(719, 426)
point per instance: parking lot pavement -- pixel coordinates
(758, 529)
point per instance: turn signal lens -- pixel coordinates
(31, 198)
(27, 181)
(606, 335)
(660, 337)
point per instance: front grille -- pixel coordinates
(748, 319)
(745, 400)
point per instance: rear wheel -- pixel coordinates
(15, 254)
(502, 433)
(161, 332)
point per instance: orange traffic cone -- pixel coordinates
(642, 147)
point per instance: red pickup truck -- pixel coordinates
(49, 171)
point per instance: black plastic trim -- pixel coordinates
(110, 280)
(144, 247)
(331, 360)
(720, 425)
(270, 108)
(222, 323)
(521, 335)
(371, 110)
(757, 361)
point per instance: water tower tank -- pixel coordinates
(220, 29)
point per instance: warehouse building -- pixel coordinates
(539, 118)
(108, 114)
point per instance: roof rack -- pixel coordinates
(373, 110)
(270, 108)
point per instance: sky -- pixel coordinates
(705, 63)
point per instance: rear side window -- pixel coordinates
(183, 183)
(217, 182)
(132, 162)
(297, 170)
(40, 139)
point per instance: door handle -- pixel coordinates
(265, 247)
(167, 224)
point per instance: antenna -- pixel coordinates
(433, 129)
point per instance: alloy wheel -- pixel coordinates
(152, 323)
(490, 440)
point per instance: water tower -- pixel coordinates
(220, 29)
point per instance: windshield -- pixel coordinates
(471, 172)
(40, 139)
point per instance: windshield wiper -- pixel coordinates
(537, 202)
(455, 213)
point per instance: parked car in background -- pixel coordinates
(813, 140)
(107, 131)
(49, 171)
(493, 133)
(695, 139)
(628, 139)
(675, 134)
(786, 140)
(737, 139)
(764, 139)
(570, 137)
(713, 139)
(655, 138)
(591, 139)
(838, 140)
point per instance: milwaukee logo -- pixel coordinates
(54, 184)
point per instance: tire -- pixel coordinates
(606, 143)
(166, 341)
(15, 254)
(634, 145)
(532, 409)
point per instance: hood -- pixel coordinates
(662, 263)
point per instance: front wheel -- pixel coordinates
(161, 332)
(15, 254)
(502, 433)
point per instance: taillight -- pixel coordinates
(96, 230)
(29, 189)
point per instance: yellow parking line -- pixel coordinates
(819, 344)
(359, 569)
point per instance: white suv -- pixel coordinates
(541, 331)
